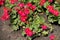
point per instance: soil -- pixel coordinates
(6, 33)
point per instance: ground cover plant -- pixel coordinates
(26, 15)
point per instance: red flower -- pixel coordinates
(50, 1)
(23, 19)
(29, 4)
(5, 17)
(49, 7)
(28, 32)
(21, 13)
(33, 7)
(26, 11)
(5, 14)
(56, 13)
(2, 2)
(21, 5)
(13, 1)
(44, 27)
(52, 10)
(23, 16)
(42, 2)
(5, 9)
(52, 37)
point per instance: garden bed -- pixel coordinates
(7, 33)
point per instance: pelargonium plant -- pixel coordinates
(26, 15)
(52, 11)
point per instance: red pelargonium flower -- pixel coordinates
(52, 37)
(28, 32)
(21, 5)
(2, 2)
(5, 9)
(13, 1)
(49, 7)
(50, 1)
(52, 10)
(44, 27)
(42, 2)
(23, 19)
(26, 11)
(5, 15)
(21, 13)
(33, 7)
(29, 4)
(56, 13)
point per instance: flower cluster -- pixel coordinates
(5, 15)
(42, 2)
(50, 1)
(44, 27)
(28, 32)
(2, 2)
(25, 11)
(31, 6)
(13, 1)
(52, 10)
(52, 37)
(23, 16)
(26, 14)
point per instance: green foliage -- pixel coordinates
(10, 5)
(34, 20)
(47, 12)
(45, 33)
(15, 27)
(29, 38)
(23, 33)
(46, 4)
(52, 18)
(14, 19)
(33, 1)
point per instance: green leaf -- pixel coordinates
(46, 4)
(50, 20)
(7, 1)
(59, 21)
(42, 20)
(29, 38)
(14, 11)
(23, 33)
(15, 21)
(39, 30)
(30, 0)
(9, 5)
(15, 27)
(50, 27)
(39, 10)
(44, 33)
(30, 19)
(14, 16)
(35, 1)
(31, 12)
(25, 1)
(22, 23)
(47, 12)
